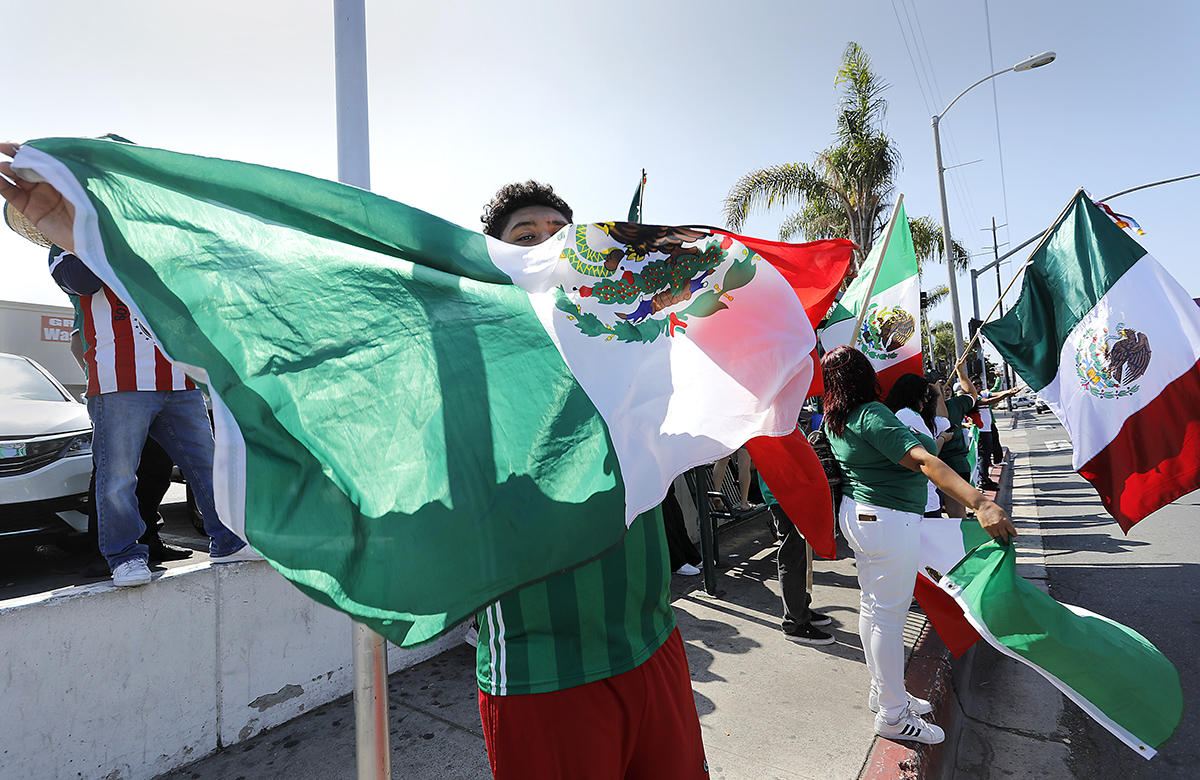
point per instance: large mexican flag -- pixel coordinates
(1111, 342)
(891, 329)
(1112, 672)
(413, 419)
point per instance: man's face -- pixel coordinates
(531, 225)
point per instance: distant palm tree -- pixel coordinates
(941, 348)
(847, 190)
(927, 241)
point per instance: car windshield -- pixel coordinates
(20, 379)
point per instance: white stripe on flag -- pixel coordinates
(678, 401)
(1145, 299)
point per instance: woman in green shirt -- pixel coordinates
(885, 466)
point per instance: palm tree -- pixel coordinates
(847, 190)
(941, 352)
(927, 241)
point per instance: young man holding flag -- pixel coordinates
(588, 663)
(544, 424)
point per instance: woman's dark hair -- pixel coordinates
(912, 391)
(518, 195)
(850, 382)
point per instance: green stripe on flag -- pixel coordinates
(899, 265)
(396, 394)
(1084, 255)
(1112, 672)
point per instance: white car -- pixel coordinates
(45, 453)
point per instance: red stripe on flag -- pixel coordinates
(888, 376)
(1155, 458)
(125, 362)
(790, 466)
(946, 617)
(817, 388)
(814, 270)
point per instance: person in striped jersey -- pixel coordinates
(584, 674)
(134, 391)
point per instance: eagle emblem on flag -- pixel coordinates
(1110, 365)
(635, 282)
(885, 329)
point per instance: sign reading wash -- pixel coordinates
(56, 328)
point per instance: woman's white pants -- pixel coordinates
(886, 544)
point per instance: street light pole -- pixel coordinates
(1036, 61)
(947, 246)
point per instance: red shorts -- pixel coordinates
(640, 724)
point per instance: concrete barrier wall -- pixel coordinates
(127, 683)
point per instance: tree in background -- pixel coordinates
(941, 355)
(846, 192)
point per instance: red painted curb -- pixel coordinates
(928, 676)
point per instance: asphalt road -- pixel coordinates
(26, 568)
(1149, 580)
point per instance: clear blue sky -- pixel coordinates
(465, 96)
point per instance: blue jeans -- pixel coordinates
(178, 421)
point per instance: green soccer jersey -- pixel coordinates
(869, 451)
(589, 623)
(954, 453)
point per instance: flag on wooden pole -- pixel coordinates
(1111, 342)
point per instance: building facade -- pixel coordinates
(42, 332)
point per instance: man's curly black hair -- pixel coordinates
(518, 195)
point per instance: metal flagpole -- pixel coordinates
(354, 167)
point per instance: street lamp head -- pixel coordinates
(1036, 61)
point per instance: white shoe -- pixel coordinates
(915, 705)
(243, 553)
(131, 573)
(688, 570)
(472, 636)
(911, 727)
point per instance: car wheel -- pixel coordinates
(194, 511)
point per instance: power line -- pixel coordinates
(957, 181)
(922, 64)
(911, 59)
(996, 110)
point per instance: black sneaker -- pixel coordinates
(818, 618)
(808, 634)
(165, 552)
(988, 484)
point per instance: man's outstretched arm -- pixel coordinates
(41, 204)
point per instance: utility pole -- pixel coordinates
(1004, 369)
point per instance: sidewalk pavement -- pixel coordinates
(769, 708)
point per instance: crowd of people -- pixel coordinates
(590, 660)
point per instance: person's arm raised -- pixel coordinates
(992, 518)
(998, 397)
(967, 385)
(41, 204)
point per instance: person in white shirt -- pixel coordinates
(919, 405)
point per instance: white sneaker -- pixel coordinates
(131, 573)
(688, 570)
(243, 553)
(910, 727)
(472, 636)
(915, 705)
